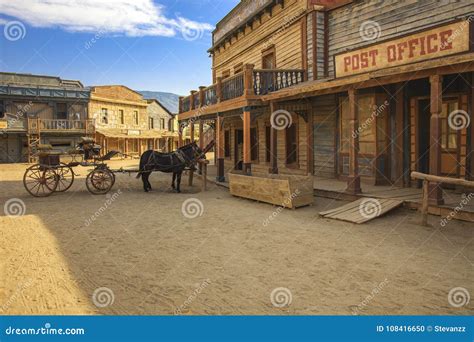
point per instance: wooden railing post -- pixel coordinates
(220, 148)
(201, 96)
(425, 204)
(180, 104)
(247, 142)
(191, 99)
(248, 79)
(219, 89)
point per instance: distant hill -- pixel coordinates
(169, 100)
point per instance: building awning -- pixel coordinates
(131, 134)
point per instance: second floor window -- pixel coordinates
(121, 117)
(162, 124)
(135, 117)
(2, 110)
(104, 116)
(151, 124)
(61, 111)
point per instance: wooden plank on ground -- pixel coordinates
(362, 210)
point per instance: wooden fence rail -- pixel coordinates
(435, 179)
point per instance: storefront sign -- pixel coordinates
(438, 42)
(134, 133)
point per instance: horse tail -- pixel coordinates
(141, 168)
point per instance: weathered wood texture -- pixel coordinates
(281, 29)
(395, 18)
(286, 191)
(325, 114)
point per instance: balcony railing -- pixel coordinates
(267, 81)
(246, 83)
(82, 126)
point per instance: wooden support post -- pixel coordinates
(273, 145)
(436, 101)
(353, 181)
(247, 143)
(180, 135)
(191, 131)
(310, 141)
(180, 104)
(204, 174)
(220, 148)
(194, 93)
(398, 149)
(201, 141)
(248, 80)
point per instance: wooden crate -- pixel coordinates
(284, 190)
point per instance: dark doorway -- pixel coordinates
(239, 149)
(423, 137)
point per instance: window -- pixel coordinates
(225, 74)
(151, 123)
(61, 111)
(2, 110)
(162, 124)
(227, 144)
(121, 117)
(291, 145)
(135, 117)
(449, 136)
(104, 116)
(253, 144)
(238, 68)
(269, 58)
(268, 146)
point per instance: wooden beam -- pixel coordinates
(353, 181)
(436, 103)
(247, 142)
(220, 148)
(191, 131)
(310, 140)
(398, 138)
(248, 80)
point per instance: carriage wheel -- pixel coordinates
(100, 182)
(40, 181)
(65, 177)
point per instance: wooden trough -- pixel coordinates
(283, 190)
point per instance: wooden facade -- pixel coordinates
(372, 90)
(38, 109)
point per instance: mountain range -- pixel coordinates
(169, 100)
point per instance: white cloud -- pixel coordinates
(128, 17)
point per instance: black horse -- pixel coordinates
(175, 162)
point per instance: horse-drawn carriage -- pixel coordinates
(51, 175)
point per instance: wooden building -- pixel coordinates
(122, 120)
(161, 120)
(361, 91)
(37, 109)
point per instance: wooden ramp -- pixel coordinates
(362, 210)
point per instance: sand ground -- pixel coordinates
(141, 255)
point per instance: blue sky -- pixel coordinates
(157, 45)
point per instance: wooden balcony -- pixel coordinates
(240, 90)
(36, 125)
